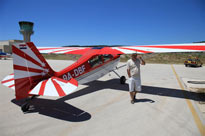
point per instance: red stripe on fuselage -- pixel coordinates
(83, 61)
(73, 81)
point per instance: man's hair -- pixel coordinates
(134, 54)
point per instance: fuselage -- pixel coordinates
(89, 67)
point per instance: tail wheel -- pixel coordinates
(25, 107)
(122, 80)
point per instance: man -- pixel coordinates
(133, 71)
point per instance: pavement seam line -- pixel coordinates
(197, 120)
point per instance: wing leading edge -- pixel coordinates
(142, 49)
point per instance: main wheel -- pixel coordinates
(122, 80)
(25, 107)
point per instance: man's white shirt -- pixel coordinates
(134, 67)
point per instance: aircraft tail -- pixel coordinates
(30, 68)
(33, 76)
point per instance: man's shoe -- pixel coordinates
(132, 101)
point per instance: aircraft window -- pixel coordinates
(96, 61)
(107, 57)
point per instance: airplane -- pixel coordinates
(33, 76)
(4, 55)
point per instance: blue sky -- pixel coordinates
(105, 22)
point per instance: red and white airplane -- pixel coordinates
(33, 76)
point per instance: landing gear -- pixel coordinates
(122, 80)
(25, 107)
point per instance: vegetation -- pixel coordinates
(62, 56)
(162, 58)
(168, 58)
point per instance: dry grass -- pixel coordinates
(161, 58)
(168, 58)
(201, 90)
(62, 56)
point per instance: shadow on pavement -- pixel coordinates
(56, 109)
(59, 109)
(182, 94)
(144, 100)
(114, 84)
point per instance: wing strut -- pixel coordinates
(122, 78)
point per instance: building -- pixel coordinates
(5, 45)
(26, 28)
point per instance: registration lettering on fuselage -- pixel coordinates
(74, 73)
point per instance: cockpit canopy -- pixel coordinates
(99, 59)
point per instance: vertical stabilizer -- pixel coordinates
(30, 68)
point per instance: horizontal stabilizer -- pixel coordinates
(9, 81)
(55, 87)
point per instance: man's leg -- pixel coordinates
(131, 90)
(135, 92)
(132, 95)
(137, 87)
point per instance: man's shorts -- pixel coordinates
(134, 84)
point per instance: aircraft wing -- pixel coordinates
(141, 49)
(64, 50)
(164, 48)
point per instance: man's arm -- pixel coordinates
(128, 73)
(128, 69)
(142, 62)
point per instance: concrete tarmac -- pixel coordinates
(103, 107)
